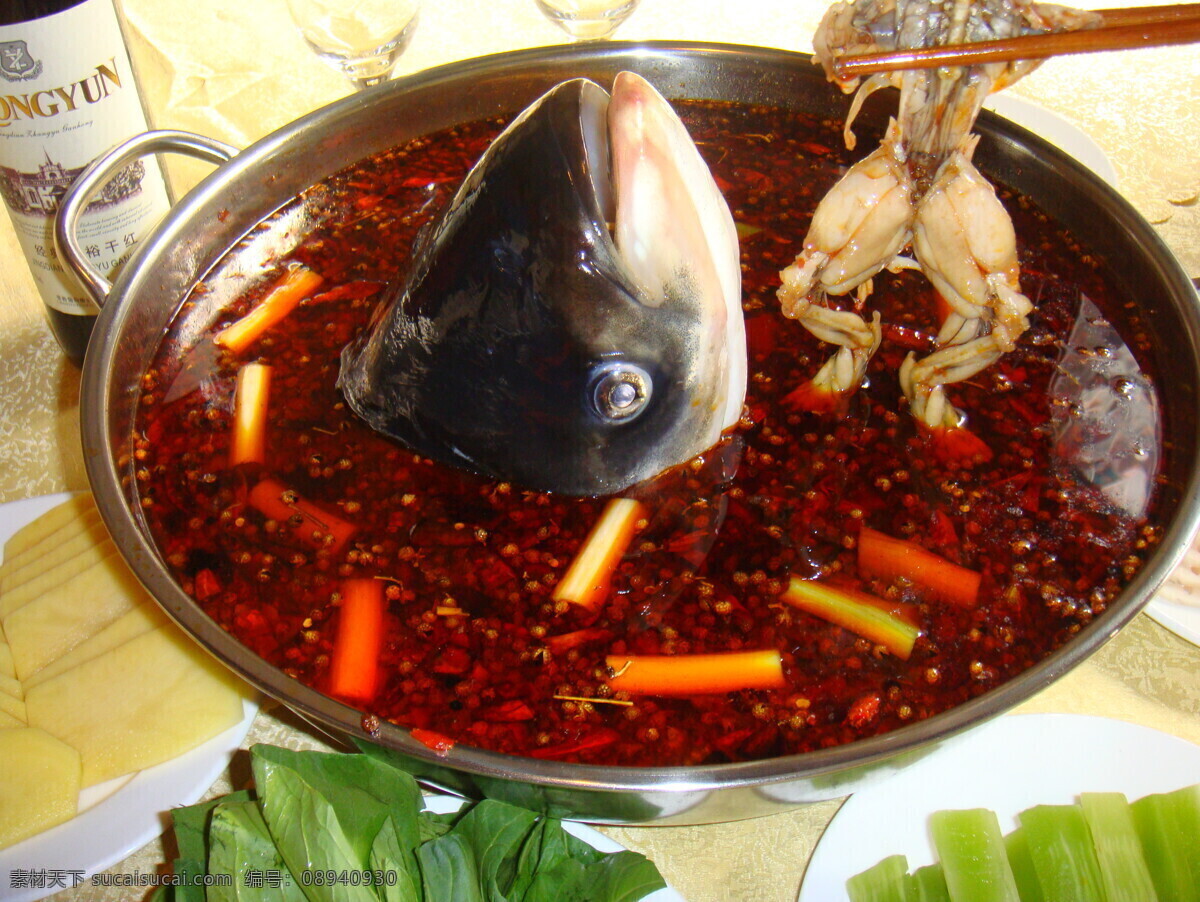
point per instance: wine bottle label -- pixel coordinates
(67, 95)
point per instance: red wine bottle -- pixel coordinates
(67, 95)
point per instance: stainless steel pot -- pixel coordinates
(253, 183)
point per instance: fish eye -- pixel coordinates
(620, 391)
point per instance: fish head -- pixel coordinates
(572, 323)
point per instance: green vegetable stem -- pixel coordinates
(1101, 849)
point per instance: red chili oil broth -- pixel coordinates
(784, 495)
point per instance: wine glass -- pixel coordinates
(587, 20)
(360, 38)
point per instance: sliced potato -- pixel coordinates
(14, 707)
(57, 548)
(39, 783)
(142, 619)
(6, 661)
(71, 612)
(32, 589)
(7, 720)
(39, 529)
(141, 703)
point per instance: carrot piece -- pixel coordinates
(809, 397)
(513, 711)
(705, 674)
(857, 612)
(296, 284)
(889, 558)
(316, 527)
(586, 580)
(354, 664)
(596, 739)
(956, 445)
(941, 308)
(205, 585)
(438, 742)
(863, 710)
(250, 397)
(564, 642)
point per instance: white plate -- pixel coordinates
(441, 804)
(1177, 602)
(1008, 765)
(1181, 619)
(120, 816)
(1055, 129)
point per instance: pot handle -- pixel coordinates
(102, 169)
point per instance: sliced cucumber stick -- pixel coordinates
(929, 884)
(1185, 813)
(887, 881)
(1017, 848)
(1060, 845)
(1118, 849)
(1102, 849)
(971, 849)
(1167, 825)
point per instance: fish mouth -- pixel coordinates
(572, 323)
(673, 231)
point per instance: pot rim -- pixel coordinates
(105, 478)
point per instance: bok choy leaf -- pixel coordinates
(332, 827)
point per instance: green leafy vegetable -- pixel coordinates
(546, 847)
(308, 834)
(567, 869)
(620, 876)
(329, 827)
(449, 870)
(239, 845)
(362, 790)
(560, 883)
(191, 839)
(389, 857)
(495, 833)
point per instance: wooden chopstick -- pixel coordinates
(1143, 15)
(1122, 29)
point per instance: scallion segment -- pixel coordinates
(586, 581)
(862, 614)
(251, 394)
